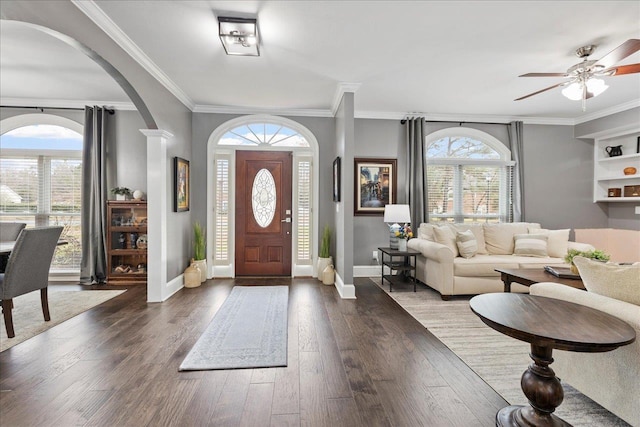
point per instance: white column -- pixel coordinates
(157, 208)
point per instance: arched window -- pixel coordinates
(469, 176)
(40, 181)
(262, 132)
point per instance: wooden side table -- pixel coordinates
(400, 261)
(547, 323)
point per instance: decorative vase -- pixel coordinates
(328, 275)
(322, 264)
(402, 244)
(202, 265)
(192, 276)
(574, 269)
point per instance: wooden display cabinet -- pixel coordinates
(126, 241)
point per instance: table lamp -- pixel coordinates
(394, 215)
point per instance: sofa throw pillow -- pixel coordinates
(621, 282)
(478, 232)
(557, 240)
(467, 243)
(499, 237)
(530, 245)
(444, 236)
(425, 231)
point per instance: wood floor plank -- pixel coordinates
(344, 412)
(230, 406)
(285, 420)
(202, 405)
(257, 409)
(313, 401)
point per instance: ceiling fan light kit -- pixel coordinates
(239, 36)
(584, 82)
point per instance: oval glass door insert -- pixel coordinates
(263, 198)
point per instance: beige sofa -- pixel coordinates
(440, 267)
(613, 378)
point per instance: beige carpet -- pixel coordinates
(28, 320)
(498, 359)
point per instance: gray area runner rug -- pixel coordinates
(248, 331)
(498, 359)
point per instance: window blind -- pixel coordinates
(221, 252)
(304, 211)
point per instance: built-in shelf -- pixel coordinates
(608, 172)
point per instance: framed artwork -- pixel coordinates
(336, 179)
(375, 185)
(181, 190)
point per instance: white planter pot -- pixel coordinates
(322, 264)
(121, 197)
(202, 265)
(402, 244)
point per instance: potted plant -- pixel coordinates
(199, 250)
(596, 254)
(324, 260)
(122, 193)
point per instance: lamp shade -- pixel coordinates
(397, 214)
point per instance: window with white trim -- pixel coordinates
(40, 184)
(469, 177)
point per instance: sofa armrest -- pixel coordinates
(623, 310)
(583, 247)
(432, 250)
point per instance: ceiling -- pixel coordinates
(447, 58)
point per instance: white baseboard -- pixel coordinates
(174, 286)
(368, 270)
(346, 291)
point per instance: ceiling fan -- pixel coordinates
(583, 82)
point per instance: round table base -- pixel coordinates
(525, 416)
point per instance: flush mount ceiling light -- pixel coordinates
(239, 36)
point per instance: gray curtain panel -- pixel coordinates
(515, 145)
(93, 267)
(416, 171)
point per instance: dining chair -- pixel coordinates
(28, 270)
(9, 232)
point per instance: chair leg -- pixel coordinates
(45, 304)
(7, 306)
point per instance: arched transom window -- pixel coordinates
(265, 134)
(469, 176)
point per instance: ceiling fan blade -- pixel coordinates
(622, 69)
(627, 48)
(540, 91)
(544, 75)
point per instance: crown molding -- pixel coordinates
(64, 103)
(106, 24)
(608, 111)
(343, 87)
(219, 109)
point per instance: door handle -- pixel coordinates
(286, 220)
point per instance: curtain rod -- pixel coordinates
(108, 110)
(403, 121)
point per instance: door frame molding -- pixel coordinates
(217, 270)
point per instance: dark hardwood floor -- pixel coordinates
(362, 362)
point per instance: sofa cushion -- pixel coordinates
(557, 240)
(478, 232)
(445, 236)
(467, 243)
(425, 231)
(530, 245)
(499, 237)
(483, 265)
(621, 282)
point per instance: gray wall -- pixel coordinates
(382, 139)
(559, 179)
